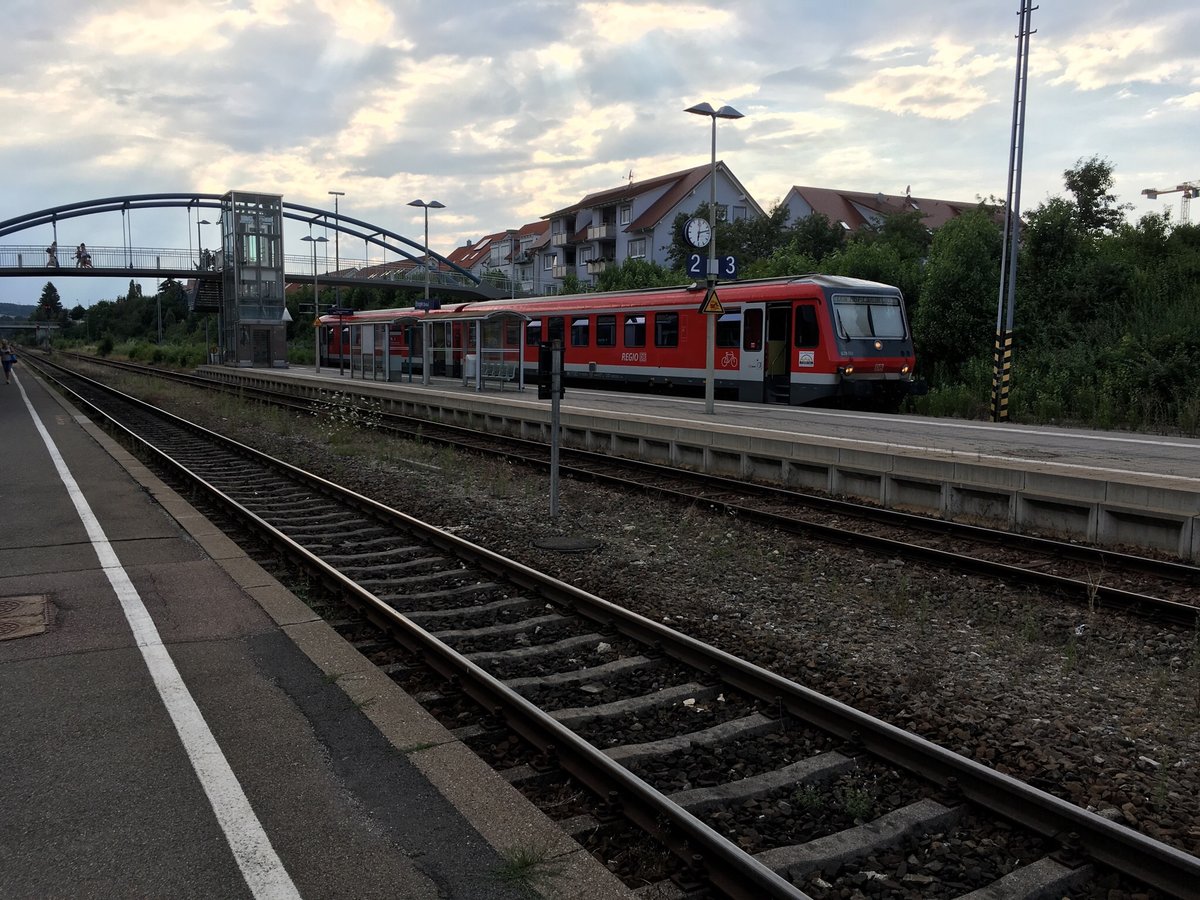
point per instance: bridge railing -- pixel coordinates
(34, 256)
(296, 266)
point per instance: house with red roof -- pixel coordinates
(634, 221)
(854, 210)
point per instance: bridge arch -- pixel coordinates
(348, 225)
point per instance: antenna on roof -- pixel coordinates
(908, 191)
(631, 176)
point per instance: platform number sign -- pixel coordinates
(697, 266)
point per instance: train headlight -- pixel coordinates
(904, 370)
(879, 345)
(846, 370)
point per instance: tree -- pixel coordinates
(954, 321)
(1091, 183)
(49, 306)
(878, 261)
(748, 239)
(754, 238)
(905, 232)
(815, 237)
(635, 273)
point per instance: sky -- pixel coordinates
(507, 112)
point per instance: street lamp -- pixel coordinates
(316, 302)
(725, 112)
(337, 244)
(200, 252)
(432, 204)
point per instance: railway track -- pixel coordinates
(757, 784)
(1157, 589)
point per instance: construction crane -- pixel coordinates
(1189, 189)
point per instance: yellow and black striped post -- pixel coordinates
(1001, 373)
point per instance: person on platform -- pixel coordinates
(52, 256)
(8, 356)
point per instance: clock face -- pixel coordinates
(697, 232)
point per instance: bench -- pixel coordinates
(499, 370)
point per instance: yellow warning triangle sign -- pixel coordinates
(712, 303)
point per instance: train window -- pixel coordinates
(533, 332)
(580, 332)
(666, 329)
(729, 330)
(556, 330)
(752, 331)
(606, 331)
(512, 332)
(854, 319)
(808, 334)
(635, 330)
(866, 317)
(887, 321)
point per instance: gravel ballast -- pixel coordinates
(1100, 709)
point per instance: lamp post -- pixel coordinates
(725, 112)
(337, 244)
(432, 204)
(199, 251)
(316, 303)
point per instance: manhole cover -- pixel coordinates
(22, 616)
(566, 543)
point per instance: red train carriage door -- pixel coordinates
(778, 363)
(753, 353)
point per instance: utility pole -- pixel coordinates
(1002, 356)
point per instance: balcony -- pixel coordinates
(560, 239)
(606, 231)
(562, 271)
(596, 266)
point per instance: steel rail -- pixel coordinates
(1153, 862)
(1153, 608)
(734, 871)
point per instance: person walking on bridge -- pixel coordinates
(52, 256)
(83, 259)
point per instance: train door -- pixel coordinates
(778, 368)
(753, 353)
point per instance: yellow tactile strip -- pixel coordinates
(24, 616)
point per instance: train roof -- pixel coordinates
(530, 307)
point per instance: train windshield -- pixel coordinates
(869, 316)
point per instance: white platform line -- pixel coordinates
(260, 865)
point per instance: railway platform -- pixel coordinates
(1114, 488)
(176, 724)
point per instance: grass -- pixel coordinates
(532, 868)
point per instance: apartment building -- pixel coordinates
(634, 221)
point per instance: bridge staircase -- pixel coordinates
(205, 296)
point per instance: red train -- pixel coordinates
(816, 339)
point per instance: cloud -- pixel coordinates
(949, 84)
(1114, 58)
